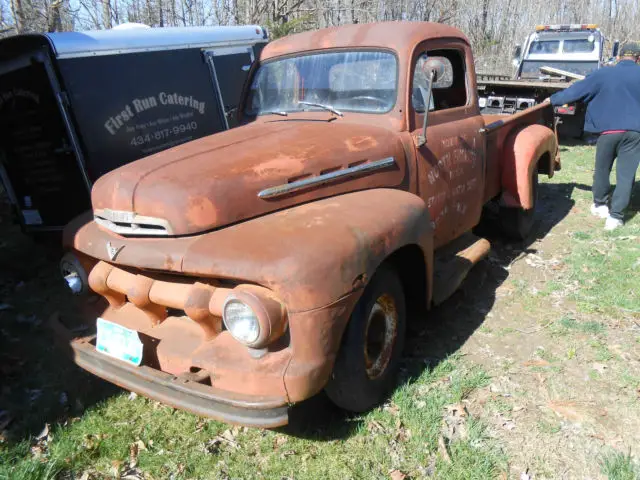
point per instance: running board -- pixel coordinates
(453, 262)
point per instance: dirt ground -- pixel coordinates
(565, 372)
(554, 322)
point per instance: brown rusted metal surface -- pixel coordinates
(380, 335)
(335, 239)
(299, 211)
(215, 181)
(401, 37)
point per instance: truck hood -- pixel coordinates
(216, 180)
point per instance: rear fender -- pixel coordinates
(522, 152)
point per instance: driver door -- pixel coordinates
(451, 161)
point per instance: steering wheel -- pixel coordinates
(379, 101)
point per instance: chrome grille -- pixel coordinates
(130, 223)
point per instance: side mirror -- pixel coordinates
(615, 49)
(431, 73)
(517, 53)
(426, 94)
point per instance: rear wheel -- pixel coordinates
(517, 223)
(365, 370)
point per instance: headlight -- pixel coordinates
(241, 321)
(254, 316)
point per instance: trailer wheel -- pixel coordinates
(365, 371)
(517, 223)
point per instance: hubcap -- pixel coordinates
(380, 336)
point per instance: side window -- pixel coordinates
(450, 88)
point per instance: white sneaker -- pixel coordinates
(601, 211)
(612, 223)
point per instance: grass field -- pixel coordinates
(532, 370)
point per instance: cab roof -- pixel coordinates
(399, 36)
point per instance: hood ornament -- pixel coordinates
(113, 251)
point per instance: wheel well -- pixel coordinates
(544, 164)
(410, 265)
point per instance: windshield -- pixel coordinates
(357, 81)
(531, 68)
(545, 46)
(582, 45)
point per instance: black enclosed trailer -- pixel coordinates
(76, 105)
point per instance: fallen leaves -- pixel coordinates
(397, 475)
(566, 409)
(40, 444)
(131, 473)
(92, 441)
(525, 475)
(392, 408)
(227, 438)
(536, 363)
(287, 453)
(442, 449)
(134, 450)
(375, 427)
(402, 434)
(454, 422)
(508, 424)
(279, 440)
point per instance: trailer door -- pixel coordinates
(38, 163)
(230, 68)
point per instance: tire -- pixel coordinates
(365, 370)
(517, 223)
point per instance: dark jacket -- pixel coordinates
(612, 95)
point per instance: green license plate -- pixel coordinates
(118, 342)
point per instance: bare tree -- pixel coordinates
(106, 13)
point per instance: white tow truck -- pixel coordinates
(549, 60)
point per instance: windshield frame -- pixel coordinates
(307, 53)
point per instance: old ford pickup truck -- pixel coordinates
(248, 270)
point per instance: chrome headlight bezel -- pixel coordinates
(269, 313)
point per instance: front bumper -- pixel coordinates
(197, 398)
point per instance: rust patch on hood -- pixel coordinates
(201, 212)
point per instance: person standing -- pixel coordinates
(612, 97)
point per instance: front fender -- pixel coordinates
(317, 257)
(521, 153)
(314, 254)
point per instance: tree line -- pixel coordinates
(493, 26)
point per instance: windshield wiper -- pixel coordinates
(329, 108)
(275, 112)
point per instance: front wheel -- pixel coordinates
(517, 223)
(365, 371)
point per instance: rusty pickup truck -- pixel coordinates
(249, 270)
